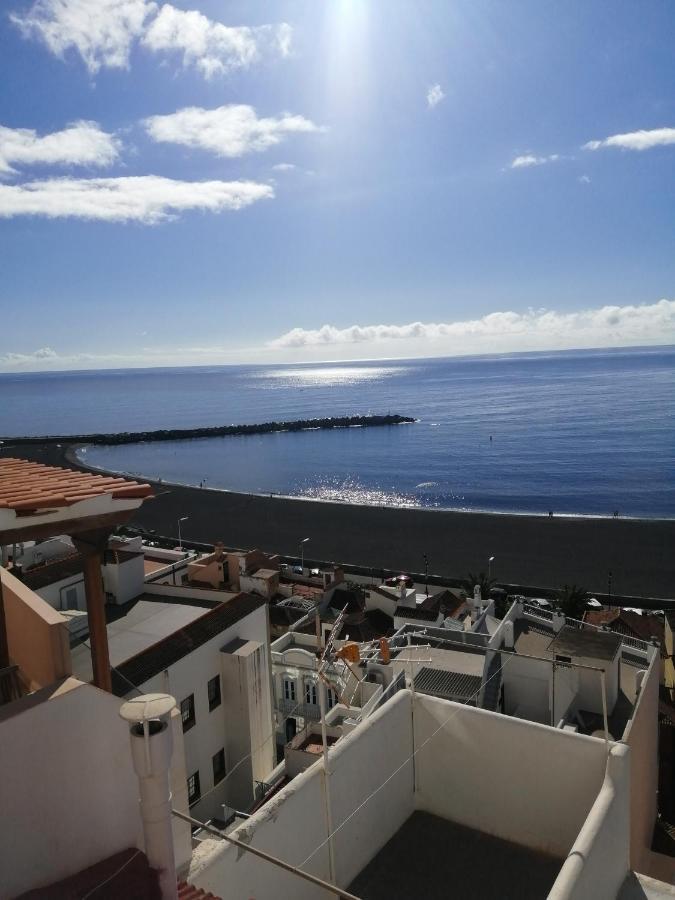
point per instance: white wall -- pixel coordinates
(190, 675)
(69, 792)
(293, 824)
(598, 862)
(187, 593)
(642, 738)
(55, 594)
(125, 580)
(517, 780)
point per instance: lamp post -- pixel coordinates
(609, 588)
(426, 574)
(302, 554)
(490, 561)
(180, 542)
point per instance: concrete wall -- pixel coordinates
(37, 635)
(69, 794)
(124, 580)
(190, 675)
(514, 779)
(598, 862)
(187, 592)
(293, 824)
(642, 738)
(247, 709)
(56, 594)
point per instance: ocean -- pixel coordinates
(574, 432)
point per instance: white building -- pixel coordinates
(213, 657)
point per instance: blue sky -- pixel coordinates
(211, 182)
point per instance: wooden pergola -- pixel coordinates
(38, 502)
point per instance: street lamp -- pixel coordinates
(302, 553)
(609, 588)
(426, 574)
(180, 542)
(490, 561)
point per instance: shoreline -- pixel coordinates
(528, 549)
(73, 458)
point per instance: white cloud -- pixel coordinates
(147, 198)
(214, 48)
(101, 31)
(584, 179)
(104, 31)
(226, 131)
(636, 140)
(434, 95)
(284, 167)
(524, 162)
(534, 329)
(80, 144)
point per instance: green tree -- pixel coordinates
(482, 581)
(573, 600)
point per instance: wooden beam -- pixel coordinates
(91, 545)
(28, 532)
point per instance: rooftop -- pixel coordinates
(585, 643)
(446, 684)
(155, 632)
(450, 860)
(27, 486)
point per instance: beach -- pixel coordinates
(528, 550)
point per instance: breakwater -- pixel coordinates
(180, 434)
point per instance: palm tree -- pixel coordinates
(573, 600)
(483, 582)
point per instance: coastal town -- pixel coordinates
(215, 721)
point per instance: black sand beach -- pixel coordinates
(529, 550)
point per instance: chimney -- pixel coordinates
(151, 748)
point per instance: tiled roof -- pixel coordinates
(165, 653)
(449, 685)
(627, 622)
(26, 486)
(190, 892)
(125, 874)
(419, 614)
(51, 572)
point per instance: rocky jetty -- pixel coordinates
(181, 434)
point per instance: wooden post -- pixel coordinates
(91, 546)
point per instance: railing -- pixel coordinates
(538, 612)
(303, 710)
(625, 639)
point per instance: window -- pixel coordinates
(330, 698)
(187, 712)
(218, 762)
(194, 791)
(289, 689)
(310, 692)
(214, 692)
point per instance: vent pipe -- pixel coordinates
(151, 748)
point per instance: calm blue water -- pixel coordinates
(582, 432)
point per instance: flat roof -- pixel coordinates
(448, 685)
(434, 858)
(587, 643)
(147, 622)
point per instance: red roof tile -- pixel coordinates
(189, 892)
(26, 485)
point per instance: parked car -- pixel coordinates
(315, 573)
(297, 570)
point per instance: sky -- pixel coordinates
(214, 181)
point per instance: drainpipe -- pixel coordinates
(151, 748)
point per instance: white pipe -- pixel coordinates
(151, 749)
(326, 780)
